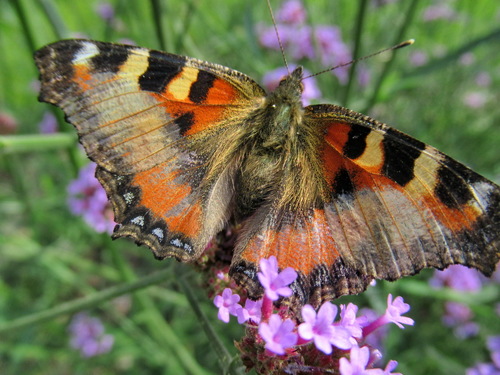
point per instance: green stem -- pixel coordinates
(229, 366)
(23, 20)
(155, 322)
(358, 31)
(15, 144)
(156, 13)
(85, 302)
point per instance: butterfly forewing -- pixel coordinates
(153, 123)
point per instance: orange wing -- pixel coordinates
(396, 206)
(153, 122)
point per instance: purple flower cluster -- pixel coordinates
(315, 334)
(87, 198)
(458, 315)
(48, 125)
(303, 41)
(492, 368)
(87, 336)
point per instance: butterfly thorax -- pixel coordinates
(279, 149)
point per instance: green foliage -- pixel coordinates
(50, 257)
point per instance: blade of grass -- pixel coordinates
(23, 20)
(400, 35)
(85, 302)
(358, 31)
(156, 14)
(55, 21)
(227, 363)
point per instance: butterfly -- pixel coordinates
(184, 146)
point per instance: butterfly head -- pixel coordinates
(291, 87)
(283, 107)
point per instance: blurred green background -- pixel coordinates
(443, 90)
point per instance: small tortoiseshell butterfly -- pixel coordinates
(184, 146)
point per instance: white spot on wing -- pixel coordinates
(138, 220)
(181, 245)
(87, 51)
(158, 232)
(129, 197)
(482, 191)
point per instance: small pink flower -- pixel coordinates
(395, 309)
(418, 58)
(318, 327)
(475, 99)
(278, 334)
(439, 12)
(88, 198)
(392, 315)
(252, 311)
(227, 304)
(275, 283)
(356, 364)
(349, 321)
(291, 12)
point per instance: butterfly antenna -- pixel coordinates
(277, 35)
(397, 46)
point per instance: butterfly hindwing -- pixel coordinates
(153, 123)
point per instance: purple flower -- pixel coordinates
(227, 304)
(356, 364)
(457, 277)
(394, 311)
(349, 320)
(48, 125)
(483, 79)
(319, 328)
(475, 99)
(87, 198)
(268, 39)
(291, 12)
(392, 315)
(391, 365)
(418, 58)
(364, 77)
(278, 334)
(252, 311)
(297, 41)
(106, 11)
(333, 51)
(459, 315)
(311, 91)
(483, 369)
(438, 12)
(467, 59)
(493, 344)
(87, 336)
(275, 284)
